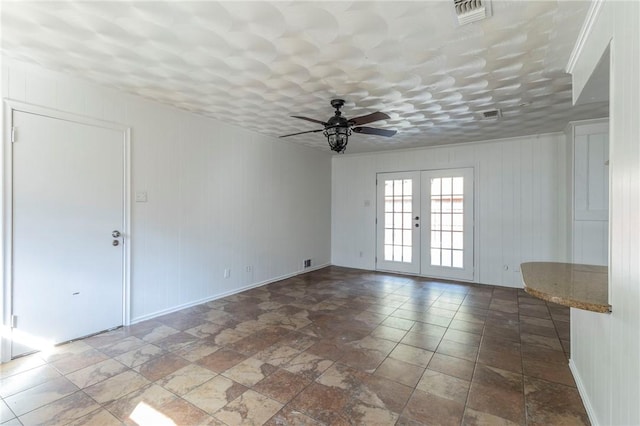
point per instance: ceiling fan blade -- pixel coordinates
(301, 133)
(369, 118)
(313, 120)
(372, 131)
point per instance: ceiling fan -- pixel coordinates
(338, 128)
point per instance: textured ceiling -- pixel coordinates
(253, 64)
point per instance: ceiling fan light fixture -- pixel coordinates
(338, 137)
(337, 129)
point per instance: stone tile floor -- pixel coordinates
(334, 346)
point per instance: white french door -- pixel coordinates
(398, 222)
(425, 223)
(447, 234)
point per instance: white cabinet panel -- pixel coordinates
(590, 193)
(591, 172)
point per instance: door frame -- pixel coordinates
(475, 166)
(10, 106)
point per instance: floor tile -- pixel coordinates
(221, 360)
(360, 413)
(140, 355)
(308, 365)
(421, 340)
(290, 417)
(282, 385)
(425, 408)
(5, 412)
(250, 408)
(197, 350)
(37, 396)
(68, 363)
(452, 366)
(557, 373)
(27, 379)
(464, 337)
(96, 373)
(478, 418)
(400, 371)
(458, 350)
(62, 411)
(116, 387)
(215, 394)
(161, 366)
(552, 403)
(186, 379)
(130, 406)
(249, 372)
(183, 413)
(20, 365)
(444, 386)
(411, 355)
(498, 392)
(322, 402)
(98, 417)
(507, 360)
(122, 346)
(388, 333)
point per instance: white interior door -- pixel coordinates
(68, 198)
(398, 221)
(447, 234)
(425, 223)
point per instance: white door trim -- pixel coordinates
(6, 171)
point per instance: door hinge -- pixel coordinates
(14, 321)
(13, 135)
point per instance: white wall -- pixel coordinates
(218, 196)
(605, 348)
(521, 213)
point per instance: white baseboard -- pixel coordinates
(224, 294)
(583, 393)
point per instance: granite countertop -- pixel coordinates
(568, 284)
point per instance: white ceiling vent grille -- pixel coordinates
(472, 10)
(491, 114)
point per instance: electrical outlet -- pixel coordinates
(307, 263)
(249, 268)
(227, 272)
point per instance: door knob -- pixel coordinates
(115, 243)
(115, 234)
(417, 218)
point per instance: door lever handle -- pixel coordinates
(115, 234)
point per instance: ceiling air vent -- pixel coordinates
(491, 114)
(472, 10)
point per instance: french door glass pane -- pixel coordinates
(447, 218)
(398, 205)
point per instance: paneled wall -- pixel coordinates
(219, 197)
(521, 213)
(605, 348)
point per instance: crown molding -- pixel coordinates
(587, 26)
